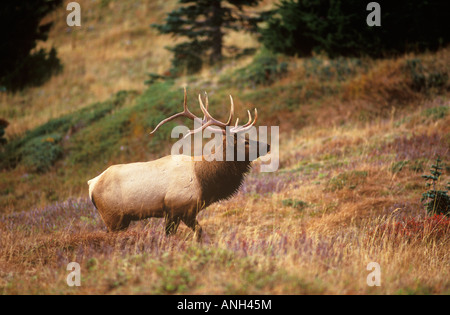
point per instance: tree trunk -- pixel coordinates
(216, 31)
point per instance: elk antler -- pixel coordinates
(208, 121)
(185, 113)
(247, 126)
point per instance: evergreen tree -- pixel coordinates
(436, 201)
(204, 24)
(3, 125)
(20, 22)
(339, 28)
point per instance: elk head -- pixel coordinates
(235, 137)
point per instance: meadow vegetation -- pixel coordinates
(356, 136)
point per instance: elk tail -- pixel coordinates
(93, 201)
(91, 184)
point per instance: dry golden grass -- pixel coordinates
(255, 243)
(311, 227)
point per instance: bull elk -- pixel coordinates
(175, 188)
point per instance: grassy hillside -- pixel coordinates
(357, 134)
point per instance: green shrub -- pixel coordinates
(348, 180)
(294, 203)
(422, 81)
(417, 165)
(338, 68)
(436, 201)
(413, 165)
(436, 113)
(154, 77)
(40, 153)
(264, 70)
(171, 281)
(103, 139)
(99, 140)
(398, 166)
(31, 147)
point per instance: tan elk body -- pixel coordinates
(173, 187)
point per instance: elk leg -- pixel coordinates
(123, 224)
(172, 224)
(193, 224)
(115, 223)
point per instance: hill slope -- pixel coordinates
(356, 136)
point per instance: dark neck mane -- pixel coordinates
(220, 179)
